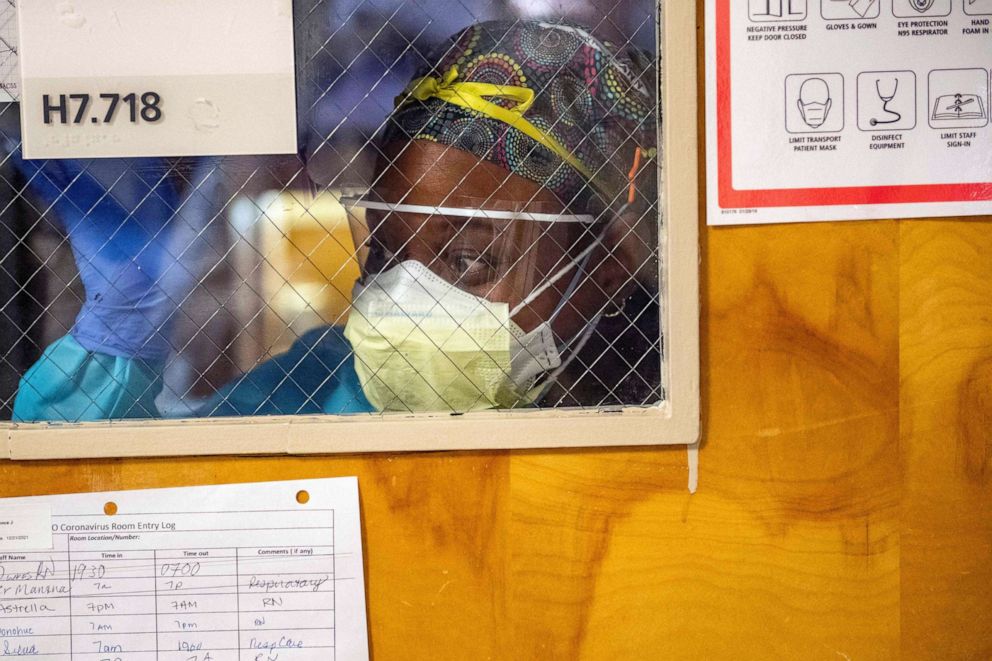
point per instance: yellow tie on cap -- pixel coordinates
(475, 95)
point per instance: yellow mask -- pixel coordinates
(422, 344)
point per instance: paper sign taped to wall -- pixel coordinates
(847, 109)
(157, 78)
(246, 571)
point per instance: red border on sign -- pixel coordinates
(732, 198)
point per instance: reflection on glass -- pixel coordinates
(490, 241)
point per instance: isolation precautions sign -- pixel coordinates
(848, 109)
(157, 77)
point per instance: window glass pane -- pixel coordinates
(472, 222)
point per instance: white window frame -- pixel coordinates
(672, 422)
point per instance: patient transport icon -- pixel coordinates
(814, 103)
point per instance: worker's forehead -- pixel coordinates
(423, 172)
(440, 229)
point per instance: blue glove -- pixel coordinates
(139, 241)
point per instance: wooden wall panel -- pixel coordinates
(790, 549)
(946, 440)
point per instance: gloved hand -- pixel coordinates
(137, 228)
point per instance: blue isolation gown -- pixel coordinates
(71, 384)
(119, 199)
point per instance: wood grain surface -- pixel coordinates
(946, 438)
(844, 508)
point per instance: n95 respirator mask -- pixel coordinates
(423, 344)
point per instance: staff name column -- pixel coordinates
(34, 603)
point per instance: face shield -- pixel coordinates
(497, 250)
(456, 303)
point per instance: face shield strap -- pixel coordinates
(581, 260)
(580, 342)
(583, 257)
(573, 346)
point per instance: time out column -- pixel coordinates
(197, 604)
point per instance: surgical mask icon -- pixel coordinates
(814, 102)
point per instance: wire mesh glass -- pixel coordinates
(228, 285)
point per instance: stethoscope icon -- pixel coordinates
(891, 116)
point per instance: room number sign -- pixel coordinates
(131, 78)
(57, 109)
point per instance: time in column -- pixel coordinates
(113, 605)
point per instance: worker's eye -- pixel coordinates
(471, 268)
(380, 258)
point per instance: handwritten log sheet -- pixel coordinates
(222, 573)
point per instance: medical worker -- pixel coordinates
(508, 260)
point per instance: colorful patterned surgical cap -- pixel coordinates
(590, 97)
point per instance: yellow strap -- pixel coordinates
(473, 96)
